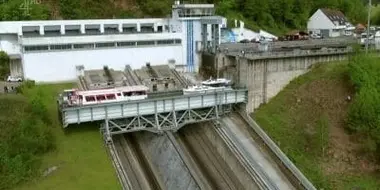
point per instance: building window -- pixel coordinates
(62, 46)
(146, 29)
(121, 44)
(107, 44)
(83, 46)
(145, 43)
(160, 28)
(163, 42)
(129, 30)
(178, 41)
(36, 48)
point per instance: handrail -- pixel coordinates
(294, 53)
(240, 89)
(303, 181)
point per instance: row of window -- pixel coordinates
(100, 45)
(103, 97)
(96, 31)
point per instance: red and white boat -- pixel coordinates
(75, 97)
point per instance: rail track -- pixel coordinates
(251, 166)
(213, 168)
(207, 165)
(138, 170)
(212, 165)
(289, 170)
(181, 79)
(129, 75)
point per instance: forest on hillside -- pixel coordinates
(273, 15)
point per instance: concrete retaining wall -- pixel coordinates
(265, 78)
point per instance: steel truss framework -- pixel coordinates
(160, 122)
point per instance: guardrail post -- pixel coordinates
(216, 106)
(107, 129)
(156, 117)
(174, 115)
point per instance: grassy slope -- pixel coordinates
(80, 155)
(307, 119)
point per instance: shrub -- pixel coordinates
(4, 64)
(27, 84)
(364, 113)
(24, 135)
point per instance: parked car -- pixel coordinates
(315, 36)
(244, 41)
(14, 79)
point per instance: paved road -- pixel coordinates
(286, 45)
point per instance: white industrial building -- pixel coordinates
(329, 23)
(52, 51)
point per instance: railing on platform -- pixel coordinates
(155, 114)
(294, 53)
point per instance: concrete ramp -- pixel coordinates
(239, 128)
(167, 163)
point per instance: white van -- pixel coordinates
(14, 79)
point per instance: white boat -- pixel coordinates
(220, 82)
(209, 86)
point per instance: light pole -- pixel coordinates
(368, 26)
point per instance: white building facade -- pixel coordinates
(329, 23)
(51, 51)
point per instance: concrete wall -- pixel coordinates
(16, 67)
(60, 65)
(9, 44)
(265, 78)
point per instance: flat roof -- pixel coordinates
(100, 38)
(15, 26)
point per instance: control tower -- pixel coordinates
(202, 30)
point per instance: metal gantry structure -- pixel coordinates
(156, 114)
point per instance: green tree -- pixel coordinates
(156, 8)
(4, 64)
(12, 10)
(24, 137)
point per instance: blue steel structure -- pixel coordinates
(155, 114)
(190, 45)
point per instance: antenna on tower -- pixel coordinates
(26, 5)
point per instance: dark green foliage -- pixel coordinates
(91, 9)
(281, 14)
(364, 115)
(155, 8)
(13, 10)
(4, 64)
(25, 135)
(274, 15)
